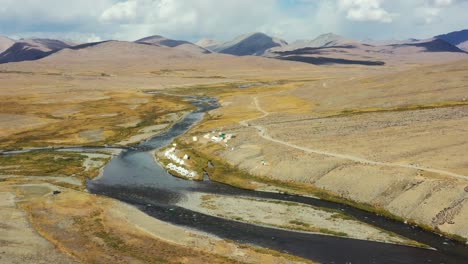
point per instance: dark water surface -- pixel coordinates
(135, 178)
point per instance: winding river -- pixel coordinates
(135, 178)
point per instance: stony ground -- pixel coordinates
(73, 226)
(288, 215)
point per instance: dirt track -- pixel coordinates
(263, 133)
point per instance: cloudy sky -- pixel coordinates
(94, 20)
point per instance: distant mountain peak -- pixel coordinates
(330, 35)
(32, 49)
(162, 41)
(5, 43)
(151, 38)
(255, 43)
(330, 39)
(207, 43)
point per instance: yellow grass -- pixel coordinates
(89, 122)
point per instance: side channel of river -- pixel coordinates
(135, 178)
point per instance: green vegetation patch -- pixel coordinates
(52, 164)
(43, 163)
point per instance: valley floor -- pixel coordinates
(386, 141)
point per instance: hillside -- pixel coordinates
(135, 59)
(208, 43)
(5, 43)
(179, 44)
(250, 44)
(457, 38)
(392, 141)
(325, 40)
(332, 49)
(32, 49)
(162, 41)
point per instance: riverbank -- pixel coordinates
(289, 216)
(269, 155)
(133, 177)
(79, 227)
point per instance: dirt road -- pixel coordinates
(263, 133)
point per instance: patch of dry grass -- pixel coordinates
(93, 122)
(79, 225)
(44, 163)
(52, 164)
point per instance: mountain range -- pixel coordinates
(325, 49)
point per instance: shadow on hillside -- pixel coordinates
(331, 61)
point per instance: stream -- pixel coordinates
(135, 178)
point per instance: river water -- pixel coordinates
(135, 178)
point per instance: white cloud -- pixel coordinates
(192, 19)
(93, 38)
(432, 11)
(442, 3)
(366, 10)
(120, 12)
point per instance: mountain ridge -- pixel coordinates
(457, 38)
(253, 44)
(32, 49)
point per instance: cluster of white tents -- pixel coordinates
(182, 171)
(170, 154)
(219, 137)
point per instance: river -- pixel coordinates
(135, 178)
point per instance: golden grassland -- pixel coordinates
(107, 120)
(95, 229)
(42, 163)
(76, 225)
(50, 166)
(83, 229)
(236, 103)
(409, 107)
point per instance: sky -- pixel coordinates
(96, 20)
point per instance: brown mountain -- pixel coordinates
(165, 42)
(333, 49)
(119, 57)
(32, 49)
(457, 38)
(250, 44)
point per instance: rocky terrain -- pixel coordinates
(288, 216)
